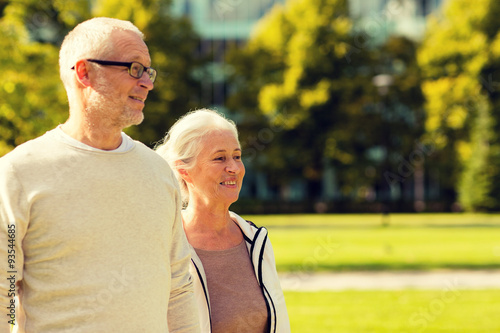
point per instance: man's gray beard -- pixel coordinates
(98, 110)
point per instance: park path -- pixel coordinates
(456, 279)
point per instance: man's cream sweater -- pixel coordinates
(97, 238)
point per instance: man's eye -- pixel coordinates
(136, 68)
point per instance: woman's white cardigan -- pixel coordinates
(262, 258)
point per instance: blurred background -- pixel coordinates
(342, 105)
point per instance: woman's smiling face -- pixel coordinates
(218, 173)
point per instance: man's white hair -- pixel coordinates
(89, 39)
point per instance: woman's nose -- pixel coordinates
(233, 167)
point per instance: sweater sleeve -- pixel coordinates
(182, 312)
(13, 225)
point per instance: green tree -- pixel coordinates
(289, 73)
(304, 85)
(475, 183)
(460, 59)
(34, 99)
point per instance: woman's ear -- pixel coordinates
(183, 172)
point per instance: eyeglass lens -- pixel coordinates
(136, 70)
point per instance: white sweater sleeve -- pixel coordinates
(13, 225)
(182, 314)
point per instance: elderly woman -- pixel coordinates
(235, 279)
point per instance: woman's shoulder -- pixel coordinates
(251, 223)
(246, 225)
(241, 221)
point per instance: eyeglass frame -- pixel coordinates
(152, 73)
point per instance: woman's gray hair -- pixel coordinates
(182, 144)
(89, 39)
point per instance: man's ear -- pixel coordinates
(82, 72)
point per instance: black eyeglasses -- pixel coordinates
(135, 69)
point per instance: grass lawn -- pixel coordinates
(362, 242)
(404, 311)
(372, 220)
(398, 242)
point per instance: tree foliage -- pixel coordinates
(34, 99)
(289, 74)
(310, 102)
(460, 59)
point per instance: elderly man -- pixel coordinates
(91, 235)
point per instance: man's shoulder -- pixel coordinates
(144, 150)
(142, 147)
(28, 150)
(154, 160)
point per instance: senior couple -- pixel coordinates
(93, 220)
